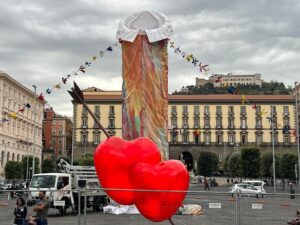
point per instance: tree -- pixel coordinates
(250, 162)
(234, 165)
(207, 163)
(226, 163)
(88, 160)
(287, 165)
(266, 165)
(48, 166)
(13, 170)
(24, 165)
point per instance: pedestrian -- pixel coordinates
(41, 208)
(200, 180)
(20, 212)
(206, 186)
(12, 190)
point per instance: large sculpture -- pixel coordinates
(144, 38)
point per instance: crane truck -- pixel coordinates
(71, 187)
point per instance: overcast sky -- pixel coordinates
(43, 40)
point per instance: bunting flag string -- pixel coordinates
(14, 115)
(203, 68)
(81, 70)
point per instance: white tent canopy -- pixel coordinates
(154, 24)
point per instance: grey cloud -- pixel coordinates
(41, 41)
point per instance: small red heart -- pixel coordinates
(167, 175)
(114, 158)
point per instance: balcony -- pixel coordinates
(258, 127)
(231, 127)
(231, 114)
(185, 114)
(219, 114)
(174, 113)
(84, 126)
(196, 113)
(219, 127)
(243, 113)
(286, 114)
(243, 127)
(206, 127)
(206, 114)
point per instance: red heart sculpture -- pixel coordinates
(168, 175)
(114, 158)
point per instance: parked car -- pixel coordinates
(259, 184)
(247, 189)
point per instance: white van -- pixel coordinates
(259, 184)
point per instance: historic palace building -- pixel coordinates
(217, 123)
(18, 105)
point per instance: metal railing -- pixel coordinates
(199, 207)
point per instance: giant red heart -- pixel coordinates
(114, 158)
(169, 175)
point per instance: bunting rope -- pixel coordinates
(81, 70)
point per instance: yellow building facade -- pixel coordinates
(216, 123)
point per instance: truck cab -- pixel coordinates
(57, 187)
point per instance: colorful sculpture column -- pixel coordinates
(144, 38)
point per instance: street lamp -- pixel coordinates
(271, 119)
(34, 130)
(297, 128)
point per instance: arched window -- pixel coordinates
(18, 157)
(13, 157)
(7, 157)
(2, 159)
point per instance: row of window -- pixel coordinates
(13, 157)
(97, 110)
(206, 138)
(230, 109)
(111, 123)
(219, 124)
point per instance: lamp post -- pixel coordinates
(34, 131)
(297, 129)
(271, 120)
(273, 152)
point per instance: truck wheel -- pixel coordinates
(99, 203)
(62, 210)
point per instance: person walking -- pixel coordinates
(206, 186)
(20, 212)
(41, 208)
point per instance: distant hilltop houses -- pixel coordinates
(221, 80)
(250, 84)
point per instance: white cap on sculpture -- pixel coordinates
(154, 24)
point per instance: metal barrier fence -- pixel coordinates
(216, 208)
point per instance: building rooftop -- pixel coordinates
(211, 98)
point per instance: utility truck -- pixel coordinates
(72, 187)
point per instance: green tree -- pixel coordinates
(234, 165)
(88, 160)
(287, 165)
(13, 170)
(250, 162)
(48, 166)
(207, 163)
(24, 165)
(266, 164)
(226, 164)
